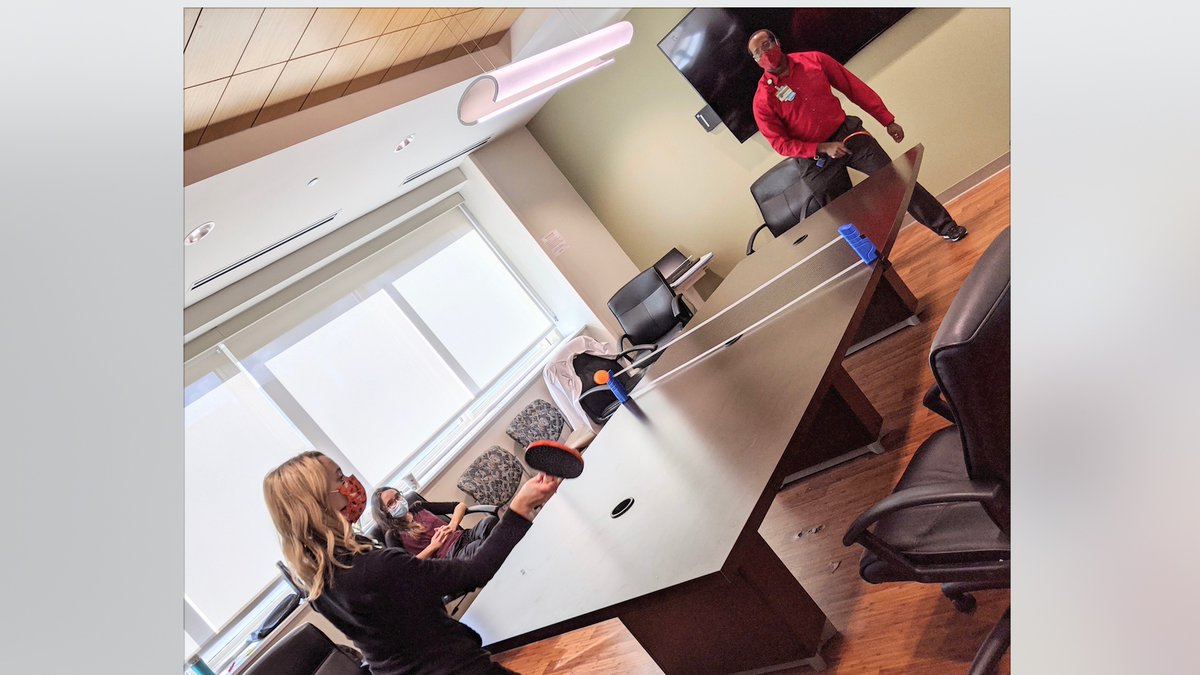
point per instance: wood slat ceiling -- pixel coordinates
(244, 67)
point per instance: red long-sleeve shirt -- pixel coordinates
(794, 128)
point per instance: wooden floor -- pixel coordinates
(886, 628)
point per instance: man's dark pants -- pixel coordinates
(868, 157)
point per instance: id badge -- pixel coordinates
(784, 93)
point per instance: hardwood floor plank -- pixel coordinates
(885, 629)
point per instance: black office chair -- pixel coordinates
(597, 400)
(648, 310)
(785, 194)
(306, 651)
(947, 520)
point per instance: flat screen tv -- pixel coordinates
(709, 48)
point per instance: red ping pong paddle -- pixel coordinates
(554, 459)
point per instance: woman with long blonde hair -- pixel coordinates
(384, 599)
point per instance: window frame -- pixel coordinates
(440, 450)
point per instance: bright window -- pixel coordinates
(474, 306)
(373, 383)
(388, 367)
(233, 436)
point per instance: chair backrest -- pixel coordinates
(304, 651)
(785, 196)
(538, 421)
(670, 263)
(597, 404)
(645, 307)
(493, 478)
(970, 361)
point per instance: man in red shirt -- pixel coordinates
(800, 117)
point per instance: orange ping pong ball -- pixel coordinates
(601, 377)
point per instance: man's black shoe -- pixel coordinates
(955, 233)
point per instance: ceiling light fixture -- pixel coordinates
(509, 86)
(199, 233)
(406, 142)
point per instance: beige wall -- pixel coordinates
(537, 193)
(627, 140)
(513, 184)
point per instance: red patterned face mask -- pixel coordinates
(356, 498)
(771, 58)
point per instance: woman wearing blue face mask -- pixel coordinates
(386, 601)
(419, 530)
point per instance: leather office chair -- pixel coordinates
(947, 520)
(597, 400)
(572, 368)
(306, 651)
(648, 310)
(785, 194)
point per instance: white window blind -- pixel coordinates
(373, 383)
(477, 309)
(386, 367)
(233, 435)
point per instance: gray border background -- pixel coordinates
(92, 264)
(1104, 453)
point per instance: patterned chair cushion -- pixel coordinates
(539, 421)
(493, 478)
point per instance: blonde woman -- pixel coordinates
(385, 600)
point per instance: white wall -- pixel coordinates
(518, 196)
(521, 174)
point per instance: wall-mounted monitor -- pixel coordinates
(709, 48)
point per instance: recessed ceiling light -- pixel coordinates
(314, 181)
(404, 143)
(199, 233)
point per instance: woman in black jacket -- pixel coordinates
(385, 600)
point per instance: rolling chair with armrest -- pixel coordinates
(649, 311)
(597, 400)
(569, 379)
(306, 651)
(786, 195)
(947, 520)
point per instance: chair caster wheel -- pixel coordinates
(964, 603)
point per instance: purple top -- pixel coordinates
(415, 542)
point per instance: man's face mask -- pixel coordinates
(356, 498)
(400, 508)
(770, 54)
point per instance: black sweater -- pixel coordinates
(390, 604)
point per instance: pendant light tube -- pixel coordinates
(508, 86)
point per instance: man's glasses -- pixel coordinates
(767, 44)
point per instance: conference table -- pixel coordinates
(661, 530)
